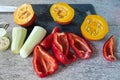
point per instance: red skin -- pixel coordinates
(80, 46)
(47, 42)
(44, 64)
(61, 48)
(108, 50)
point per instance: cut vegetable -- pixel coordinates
(94, 27)
(109, 49)
(3, 32)
(24, 15)
(37, 34)
(47, 42)
(62, 13)
(44, 64)
(4, 43)
(18, 37)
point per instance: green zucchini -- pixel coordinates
(37, 34)
(4, 43)
(18, 37)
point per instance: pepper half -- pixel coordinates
(47, 42)
(43, 63)
(61, 48)
(108, 49)
(80, 46)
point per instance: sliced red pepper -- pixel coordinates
(55, 29)
(108, 49)
(80, 46)
(47, 42)
(61, 48)
(43, 63)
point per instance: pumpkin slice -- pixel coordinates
(94, 27)
(24, 15)
(62, 13)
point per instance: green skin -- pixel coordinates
(18, 37)
(37, 34)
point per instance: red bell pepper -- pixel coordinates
(55, 29)
(80, 46)
(43, 63)
(61, 48)
(108, 49)
(47, 42)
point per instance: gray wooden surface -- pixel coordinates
(13, 67)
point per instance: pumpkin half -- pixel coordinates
(62, 13)
(94, 27)
(24, 15)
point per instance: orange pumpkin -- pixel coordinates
(62, 13)
(24, 15)
(94, 27)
